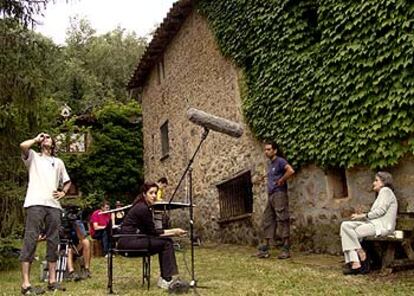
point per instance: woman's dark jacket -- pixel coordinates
(140, 220)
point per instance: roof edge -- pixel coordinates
(162, 37)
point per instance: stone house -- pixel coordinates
(183, 68)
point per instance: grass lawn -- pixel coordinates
(230, 270)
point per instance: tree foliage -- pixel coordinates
(331, 81)
(113, 164)
(22, 11)
(96, 69)
(27, 61)
(37, 77)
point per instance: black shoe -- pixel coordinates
(352, 271)
(346, 267)
(365, 266)
(262, 252)
(32, 291)
(55, 287)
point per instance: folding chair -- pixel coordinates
(132, 253)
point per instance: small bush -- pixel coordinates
(9, 255)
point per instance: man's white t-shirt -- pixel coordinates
(46, 173)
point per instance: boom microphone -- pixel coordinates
(215, 123)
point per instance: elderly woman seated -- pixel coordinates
(379, 221)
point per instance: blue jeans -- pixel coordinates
(78, 232)
(102, 235)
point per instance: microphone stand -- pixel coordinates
(189, 170)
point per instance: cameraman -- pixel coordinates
(74, 230)
(82, 245)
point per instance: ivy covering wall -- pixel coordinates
(332, 81)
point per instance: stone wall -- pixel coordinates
(317, 215)
(198, 76)
(193, 73)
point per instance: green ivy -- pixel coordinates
(332, 81)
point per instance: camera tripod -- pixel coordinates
(61, 264)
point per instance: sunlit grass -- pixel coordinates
(230, 270)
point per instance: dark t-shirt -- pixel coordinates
(275, 171)
(140, 220)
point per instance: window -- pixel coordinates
(336, 183)
(158, 74)
(72, 142)
(153, 146)
(61, 142)
(162, 68)
(236, 198)
(77, 143)
(165, 143)
(160, 71)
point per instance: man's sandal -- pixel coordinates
(32, 290)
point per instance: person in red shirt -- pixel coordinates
(99, 224)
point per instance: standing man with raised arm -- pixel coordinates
(276, 214)
(47, 174)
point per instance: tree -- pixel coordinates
(28, 64)
(97, 68)
(22, 11)
(113, 164)
(37, 77)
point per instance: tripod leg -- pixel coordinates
(190, 177)
(110, 270)
(58, 263)
(62, 268)
(65, 262)
(59, 267)
(62, 261)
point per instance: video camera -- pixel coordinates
(70, 214)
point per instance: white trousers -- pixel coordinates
(351, 233)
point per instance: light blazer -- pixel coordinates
(383, 213)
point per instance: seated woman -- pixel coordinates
(140, 220)
(379, 221)
(118, 216)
